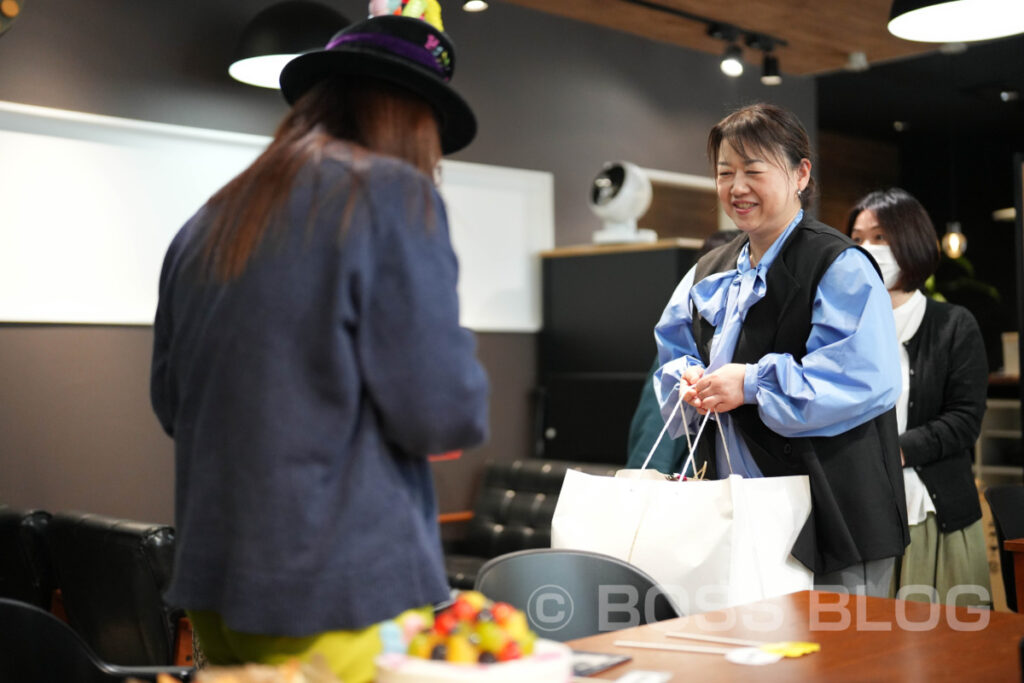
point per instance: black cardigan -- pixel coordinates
(948, 387)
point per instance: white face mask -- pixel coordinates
(886, 262)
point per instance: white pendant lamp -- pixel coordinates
(932, 21)
(277, 34)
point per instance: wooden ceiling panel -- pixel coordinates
(820, 34)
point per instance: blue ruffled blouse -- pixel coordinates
(842, 381)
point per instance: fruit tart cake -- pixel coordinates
(473, 639)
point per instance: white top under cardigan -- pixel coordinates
(908, 317)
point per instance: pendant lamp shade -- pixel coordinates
(954, 21)
(277, 34)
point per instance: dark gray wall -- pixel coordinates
(551, 94)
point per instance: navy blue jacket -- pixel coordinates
(303, 398)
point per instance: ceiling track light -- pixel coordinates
(770, 70)
(732, 61)
(726, 32)
(770, 74)
(760, 41)
(474, 5)
(947, 21)
(857, 62)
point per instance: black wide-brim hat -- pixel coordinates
(403, 51)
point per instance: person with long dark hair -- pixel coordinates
(944, 381)
(785, 334)
(308, 357)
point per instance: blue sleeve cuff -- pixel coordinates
(750, 384)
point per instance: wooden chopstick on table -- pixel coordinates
(700, 649)
(716, 639)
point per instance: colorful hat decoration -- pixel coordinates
(427, 10)
(411, 53)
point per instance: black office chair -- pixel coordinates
(112, 574)
(1007, 505)
(569, 594)
(37, 647)
(24, 561)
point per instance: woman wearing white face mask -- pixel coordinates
(945, 376)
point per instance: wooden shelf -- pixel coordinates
(599, 249)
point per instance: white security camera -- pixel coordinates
(619, 195)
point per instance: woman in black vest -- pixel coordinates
(944, 378)
(786, 334)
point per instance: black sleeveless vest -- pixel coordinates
(856, 480)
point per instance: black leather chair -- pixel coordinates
(24, 561)
(37, 647)
(569, 594)
(512, 511)
(112, 574)
(1007, 505)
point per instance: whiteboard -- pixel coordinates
(89, 204)
(500, 220)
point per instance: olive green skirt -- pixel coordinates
(955, 565)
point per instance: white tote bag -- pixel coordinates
(709, 544)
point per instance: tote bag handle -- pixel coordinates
(691, 445)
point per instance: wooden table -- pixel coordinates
(1016, 546)
(862, 639)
